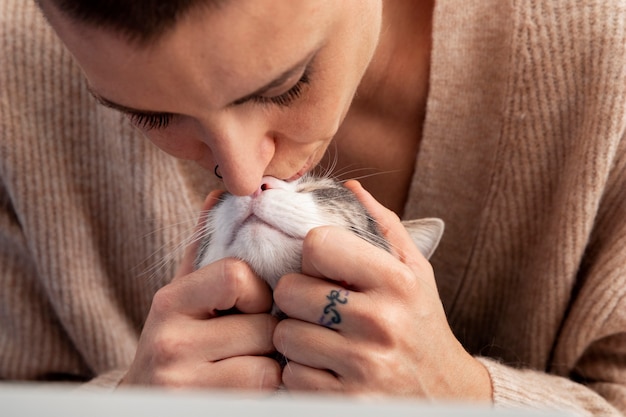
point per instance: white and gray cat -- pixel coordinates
(267, 229)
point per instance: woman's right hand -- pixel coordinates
(189, 341)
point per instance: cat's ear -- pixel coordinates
(426, 234)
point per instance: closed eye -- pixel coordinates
(149, 121)
(283, 99)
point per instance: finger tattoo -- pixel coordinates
(331, 314)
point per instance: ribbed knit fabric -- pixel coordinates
(89, 214)
(523, 155)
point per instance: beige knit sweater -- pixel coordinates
(523, 156)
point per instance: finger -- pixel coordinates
(311, 345)
(247, 372)
(388, 222)
(241, 335)
(297, 377)
(317, 301)
(216, 339)
(393, 231)
(243, 372)
(341, 256)
(186, 265)
(222, 285)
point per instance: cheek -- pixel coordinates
(316, 119)
(179, 143)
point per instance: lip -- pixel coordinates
(305, 168)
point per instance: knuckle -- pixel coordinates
(405, 276)
(402, 280)
(166, 347)
(235, 273)
(387, 221)
(164, 300)
(379, 326)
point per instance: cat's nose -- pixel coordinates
(268, 183)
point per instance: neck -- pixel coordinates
(381, 133)
(401, 63)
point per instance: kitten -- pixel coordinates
(267, 229)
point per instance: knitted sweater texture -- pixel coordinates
(523, 155)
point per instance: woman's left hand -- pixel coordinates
(364, 321)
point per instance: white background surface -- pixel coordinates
(36, 400)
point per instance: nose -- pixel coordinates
(269, 183)
(243, 154)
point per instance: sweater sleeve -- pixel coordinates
(587, 374)
(518, 388)
(106, 382)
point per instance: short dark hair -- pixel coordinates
(138, 20)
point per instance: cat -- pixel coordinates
(267, 229)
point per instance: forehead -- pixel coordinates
(211, 49)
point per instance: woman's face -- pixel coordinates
(258, 88)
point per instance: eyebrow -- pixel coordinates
(276, 82)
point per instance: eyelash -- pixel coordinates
(286, 98)
(158, 121)
(148, 121)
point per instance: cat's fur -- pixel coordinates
(267, 229)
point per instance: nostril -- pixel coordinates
(271, 183)
(264, 187)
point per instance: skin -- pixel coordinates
(208, 72)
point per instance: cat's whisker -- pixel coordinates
(373, 174)
(292, 209)
(287, 362)
(331, 158)
(193, 218)
(345, 173)
(165, 265)
(172, 250)
(349, 172)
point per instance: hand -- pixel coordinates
(364, 321)
(186, 342)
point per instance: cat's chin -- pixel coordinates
(270, 252)
(255, 232)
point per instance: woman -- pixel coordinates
(505, 120)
